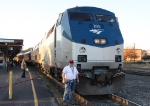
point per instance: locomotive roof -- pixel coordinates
(90, 9)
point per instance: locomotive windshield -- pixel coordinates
(105, 18)
(81, 16)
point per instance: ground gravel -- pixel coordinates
(136, 89)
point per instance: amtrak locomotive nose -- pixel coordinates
(97, 46)
(92, 38)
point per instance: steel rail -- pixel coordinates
(122, 100)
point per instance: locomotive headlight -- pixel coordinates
(96, 41)
(100, 41)
(103, 41)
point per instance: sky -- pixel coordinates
(30, 20)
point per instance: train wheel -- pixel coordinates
(57, 74)
(52, 72)
(48, 71)
(57, 77)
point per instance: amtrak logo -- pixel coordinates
(96, 31)
(118, 50)
(82, 50)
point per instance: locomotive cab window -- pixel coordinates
(105, 18)
(81, 16)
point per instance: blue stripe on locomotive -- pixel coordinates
(78, 30)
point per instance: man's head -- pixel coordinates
(23, 59)
(71, 62)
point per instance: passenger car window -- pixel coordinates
(50, 31)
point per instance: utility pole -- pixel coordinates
(7, 58)
(134, 53)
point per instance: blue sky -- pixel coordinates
(31, 19)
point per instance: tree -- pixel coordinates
(146, 57)
(130, 53)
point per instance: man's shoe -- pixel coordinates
(65, 104)
(23, 77)
(73, 102)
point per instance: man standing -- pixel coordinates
(23, 67)
(4, 64)
(69, 78)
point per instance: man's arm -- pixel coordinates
(77, 76)
(63, 77)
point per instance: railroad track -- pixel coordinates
(122, 100)
(86, 100)
(109, 100)
(137, 72)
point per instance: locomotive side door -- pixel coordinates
(55, 45)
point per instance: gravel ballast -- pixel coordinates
(136, 89)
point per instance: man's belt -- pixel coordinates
(71, 80)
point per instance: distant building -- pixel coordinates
(144, 52)
(148, 52)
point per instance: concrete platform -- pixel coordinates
(25, 92)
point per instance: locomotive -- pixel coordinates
(92, 38)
